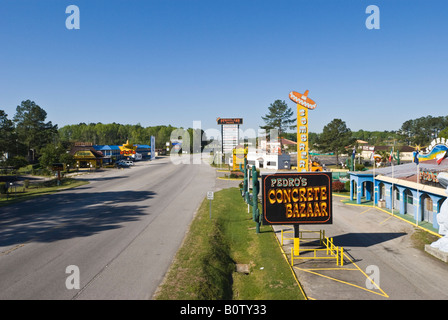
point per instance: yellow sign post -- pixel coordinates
(303, 105)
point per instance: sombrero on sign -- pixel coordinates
(302, 99)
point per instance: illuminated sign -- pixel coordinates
(297, 198)
(303, 105)
(127, 149)
(230, 121)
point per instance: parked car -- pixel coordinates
(122, 164)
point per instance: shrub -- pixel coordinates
(3, 187)
(347, 185)
(338, 186)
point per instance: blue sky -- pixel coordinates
(177, 61)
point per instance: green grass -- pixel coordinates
(39, 189)
(204, 267)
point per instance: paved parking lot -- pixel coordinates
(375, 244)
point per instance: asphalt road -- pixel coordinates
(121, 231)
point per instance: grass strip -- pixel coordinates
(43, 189)
(204, 266)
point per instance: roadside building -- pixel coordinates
(144, 150)
(411, 190)
(86, 156)
(263, 160)
(289, 144)
(112, 153)
(405, 152)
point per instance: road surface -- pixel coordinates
(121, 232)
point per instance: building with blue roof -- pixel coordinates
(111, 153)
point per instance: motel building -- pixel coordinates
(398, 189)
(112, 153)
(89, 156)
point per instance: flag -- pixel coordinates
(390, 156)
(415, 154)
(440, 157)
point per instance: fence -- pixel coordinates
(329, 249)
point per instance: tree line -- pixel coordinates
(336, 136)
(28, 138)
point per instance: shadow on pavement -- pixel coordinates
(68, 215)
(365, 239)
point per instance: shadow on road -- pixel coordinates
(365, 239)
(69, 214)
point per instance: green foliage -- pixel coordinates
(31, 128)
(347, 185)
(444, 133)
(335, 137)
(7, 133)
(3, 188)
(115, 133)
(204, 267)
(377, 138)
(280, 117)
(423, 130)
(16, 162)
(55, 154)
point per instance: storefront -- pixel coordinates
(113, 153)
(396, 187)
(86, 157)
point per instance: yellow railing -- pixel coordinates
(321, 236)
(331, 251)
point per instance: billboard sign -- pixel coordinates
(297, 198)
(127, 149)
(229, 121)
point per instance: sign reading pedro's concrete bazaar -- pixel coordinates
(297, 198)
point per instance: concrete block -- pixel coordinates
(437, 253)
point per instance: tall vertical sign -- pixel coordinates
(153, 147)
(303, 105)
(229, 133)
